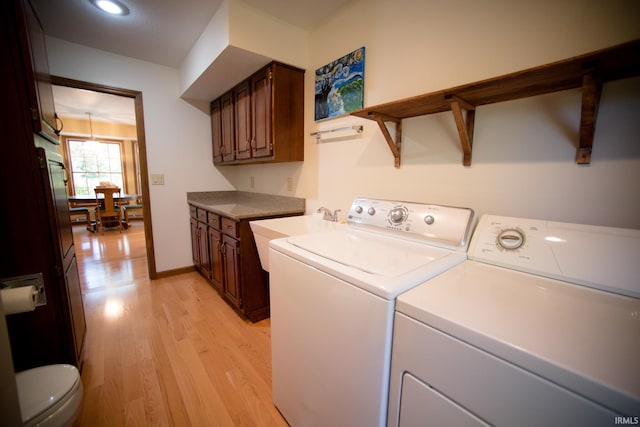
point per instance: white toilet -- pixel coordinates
(50, 396)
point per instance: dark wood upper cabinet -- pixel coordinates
(216, 130)
(227, 127)
(261, 90)
(242, 109)
(266, 122)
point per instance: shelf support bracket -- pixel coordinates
(465, 130)
(395, 147)
(591, 91)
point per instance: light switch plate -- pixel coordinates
(157, 179)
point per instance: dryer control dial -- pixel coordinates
(511, 239)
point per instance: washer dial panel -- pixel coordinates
(450, 226)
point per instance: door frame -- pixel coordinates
(142, 148)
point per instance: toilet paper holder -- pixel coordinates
(36, 280)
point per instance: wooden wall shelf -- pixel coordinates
(588, 71)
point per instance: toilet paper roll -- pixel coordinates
(19, 300)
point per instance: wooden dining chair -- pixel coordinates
(107, 211)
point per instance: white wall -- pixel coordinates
(178, 139)
(523, 157)
(211, 43)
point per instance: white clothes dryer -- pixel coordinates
(540, 326)
(332, 305)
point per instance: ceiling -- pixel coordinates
(158, 31)
(76, 103)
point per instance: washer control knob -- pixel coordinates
(398, 215)
(371, 211)
(429, 219)
(359, 209)
(511, 239)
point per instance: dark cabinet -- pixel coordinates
(228, 152)
(261, 90)
(234, 267)
(41, 105)
(214, 238)
(55, 177)
(61, 222)
(200, 241)
(223, 128)
(76, 306)
(215, 242)
(242, 109)
(230, 250)
(216, 130)
(265, 122)
(36, 237)
(231, 261)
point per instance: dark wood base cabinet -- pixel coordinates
(224, 251)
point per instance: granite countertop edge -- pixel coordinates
(241, 205)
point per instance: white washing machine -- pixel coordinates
(332, 305)
(540, 326)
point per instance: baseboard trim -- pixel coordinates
(175, 272)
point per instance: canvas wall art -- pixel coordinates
(339, 87)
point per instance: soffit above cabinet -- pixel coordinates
(227, 70)
(238, 41)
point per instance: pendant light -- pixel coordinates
(91, 127)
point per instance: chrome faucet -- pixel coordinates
(327, 215)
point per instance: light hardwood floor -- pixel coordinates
(167, 352)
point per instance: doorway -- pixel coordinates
(136, 96)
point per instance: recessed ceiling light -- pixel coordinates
(113, 7)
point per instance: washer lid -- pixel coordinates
(383, 265)
(41, 388)
(369, 252)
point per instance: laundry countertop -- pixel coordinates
(240, 205)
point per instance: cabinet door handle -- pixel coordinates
(65, 175)
(58, 119)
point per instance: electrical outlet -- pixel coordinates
(252, 182)
(289, 184)
(157, 179)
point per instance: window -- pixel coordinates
(93, 162)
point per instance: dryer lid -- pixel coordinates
(43, 387)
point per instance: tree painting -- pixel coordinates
(340, 86)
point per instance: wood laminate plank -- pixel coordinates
(167, 352)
